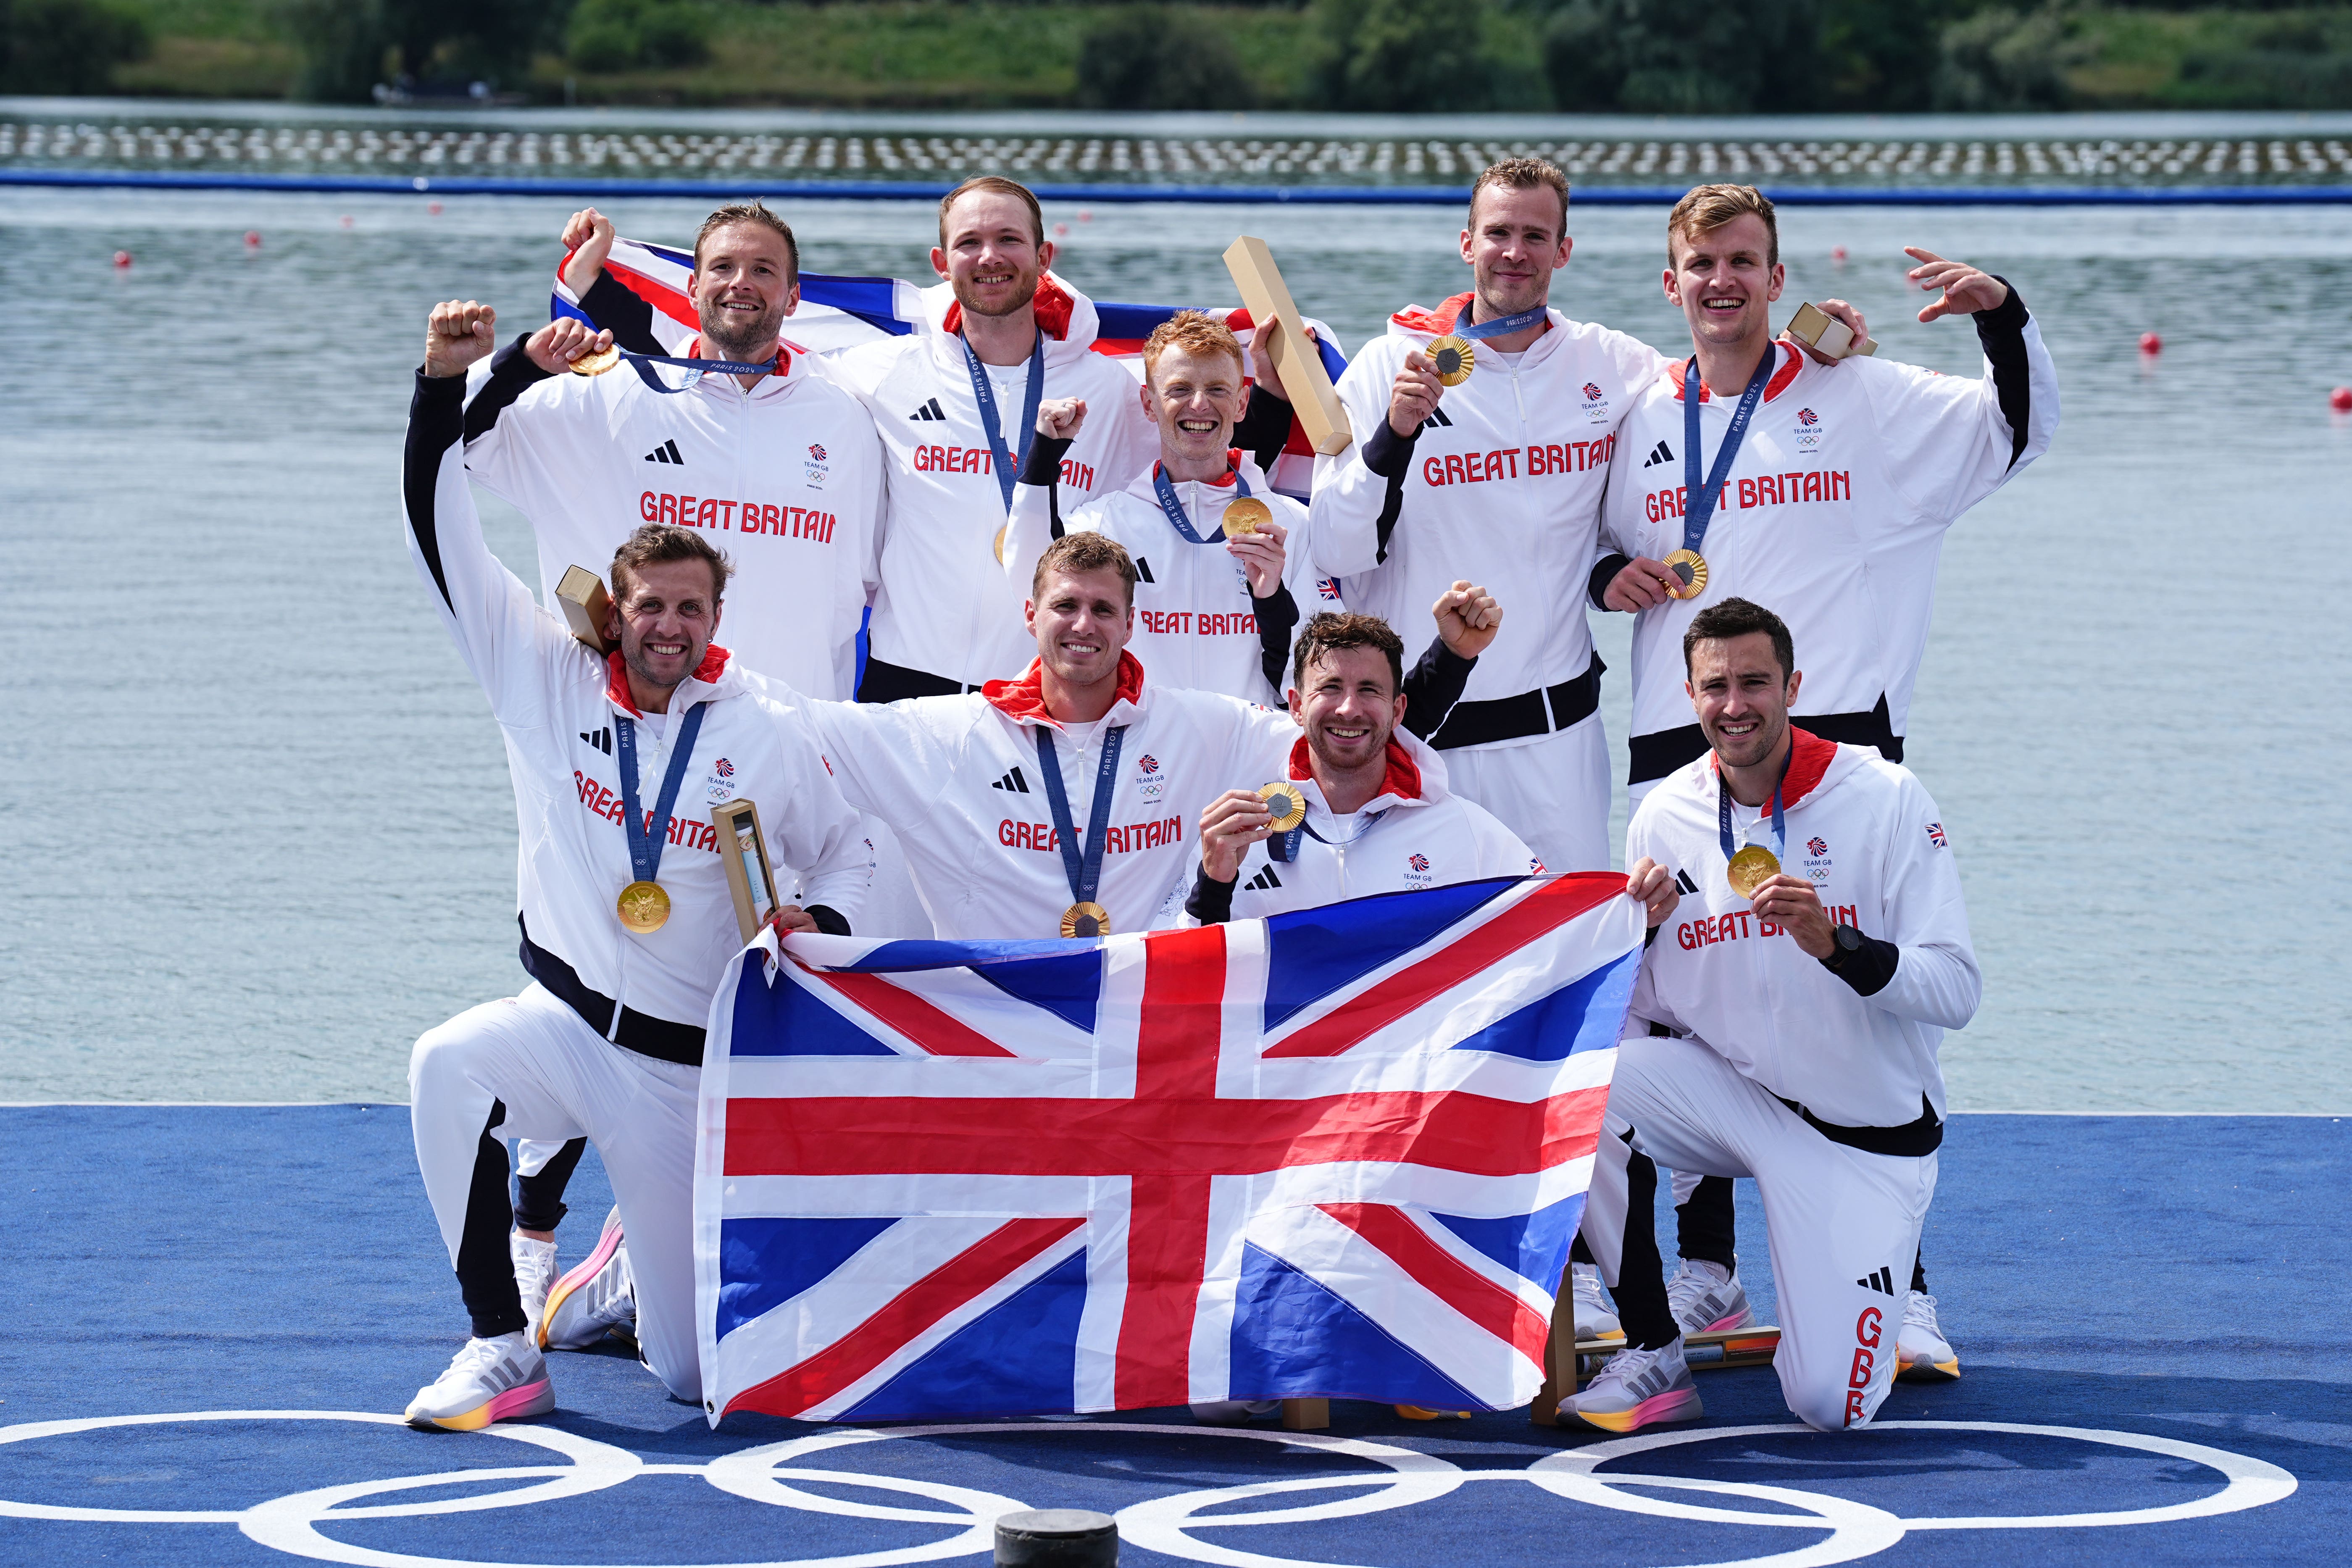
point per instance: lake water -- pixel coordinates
(262, 826)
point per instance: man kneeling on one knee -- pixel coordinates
(1808, 949)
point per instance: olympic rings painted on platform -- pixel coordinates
(1854, 1530)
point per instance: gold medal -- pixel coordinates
(597, 362)
(999, 545)
(1282, 799)
(1453, 357)
(1689, 566)
(1085, 919)
(1245, 514)
(1749, 867)
(644, 907)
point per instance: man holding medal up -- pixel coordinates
(1809, 948)
(627, 922)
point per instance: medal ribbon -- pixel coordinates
(1165, 488)
(1284, 846)
(1700, 507)
(1008, 465)
(646, 842)
(1500, 327)
(1084, 871)
(1779, 817)
(696, 368)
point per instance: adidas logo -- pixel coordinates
(1660, 453)
(1013, 782)
(1143, 571)
(1265, 881)
(931, 410)
(1436, 417)
(1682, 881)
(1881, 1281)
(600, 739)
(666, 453)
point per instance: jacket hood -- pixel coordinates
(1236, 462)
(1415, 776)
(1067, 317)
(1023, 698)
(715, 676)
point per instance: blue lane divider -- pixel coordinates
(1222, 195)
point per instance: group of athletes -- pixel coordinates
(1079, 666)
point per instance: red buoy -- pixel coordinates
(253, 239)
(433, 208)
(2341, 400)
(1060, 229)
(1085, 216)
(347, 220)
(122, 261)
(2149, 344)
(1837, 253)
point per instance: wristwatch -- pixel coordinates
(1845, 940)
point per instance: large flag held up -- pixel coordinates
(838, 313)
(1338, 1153)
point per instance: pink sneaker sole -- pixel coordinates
(1674, 1405)
(1739, 1320)
(528, 1399)
(583, 1271)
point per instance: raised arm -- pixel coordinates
(1360, 494)
(1468, 620)
(1036, 518)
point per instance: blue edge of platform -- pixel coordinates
(2176, 1278)
(1299, 196)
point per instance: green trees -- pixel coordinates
(1147, 57)
(1764, 56)
(64, 46)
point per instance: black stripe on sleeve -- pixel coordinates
(1432, 685)
(1264, 428)
(437, 422)
(2002, 331)
(828, 920)
(1604, 572)
(1042, 469)
(630, 320)
(1390, 455)
(1211, 901)
(512, 372)
(1276, 618)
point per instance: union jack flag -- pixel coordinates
(1338, 1153)
(838, 313)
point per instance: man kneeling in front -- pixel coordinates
(1809, 948)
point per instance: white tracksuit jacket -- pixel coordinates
(787, 478)
(1414, 834)
(1502, 486)
(1833, 518)
(555, 702)
(1869, 837)
(1196, 625)
(957, 779)
(944, 607)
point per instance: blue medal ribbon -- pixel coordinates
(696, 368)
(1008, 464)
(1699, 508)
(1500, 327)
(1779, 817)
(1084, 871)
(1284, 846)
(1165, 489)
(646, 841)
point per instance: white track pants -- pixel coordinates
(1553, 793)
(1844, 1226)
(558, 1079)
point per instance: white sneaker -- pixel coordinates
(1638, 1389)
(534, 1271)
(489, 1380)
(1921, 1354)
(1705, 1298)
(597, 1297)
(1234, 1411)
(1595, 1317)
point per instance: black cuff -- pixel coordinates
(1604, 572)
(1432, 685)
(1265, 427)
(1276, 618)
(435, 393)
(2009, 316)
(1388, 454)
(1042, 465)
(630, 320)
(828, 918)
(1212, 903)
(1868, 970)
